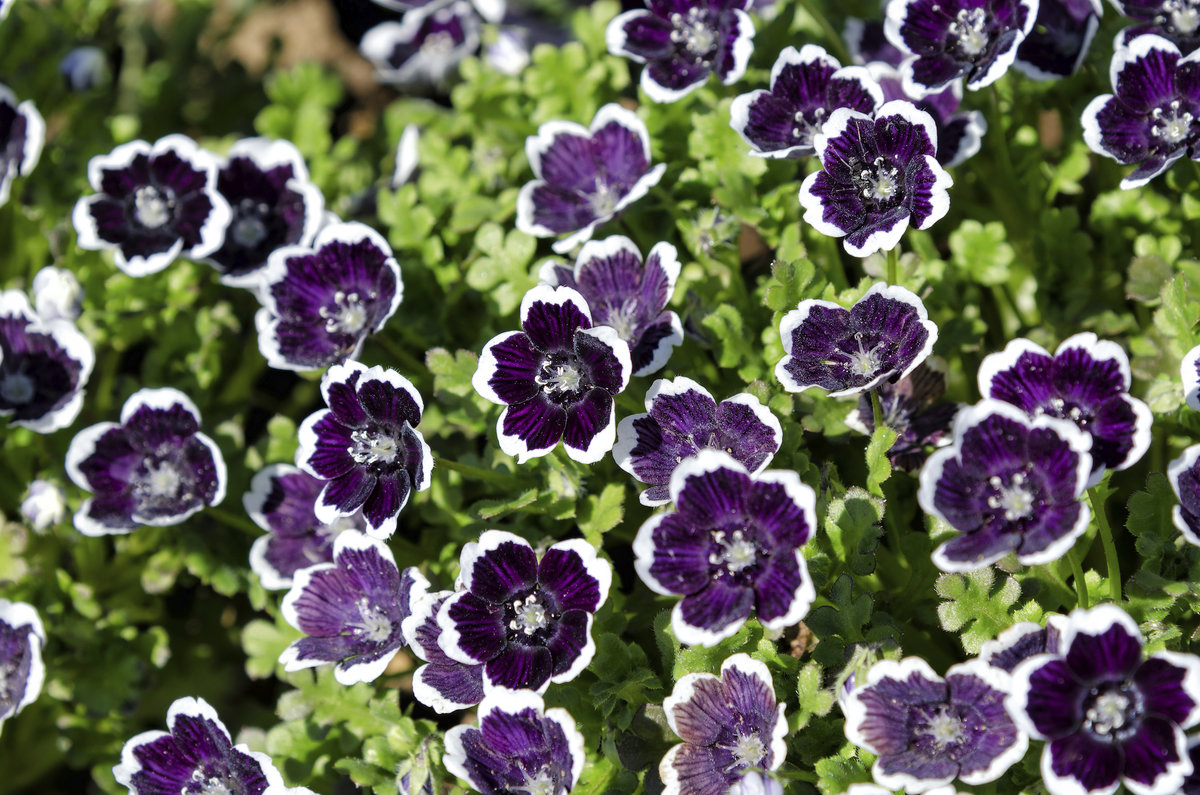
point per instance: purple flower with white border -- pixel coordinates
(5, 7)
(682, 42)
(57, 294)
(682, 418)
(508, 52)
(22, 133)
(321, 303)
(730, 725)
(366, 446)
(867, 42)
(975, 40)
(927, 730)
(519, 746)
(444, 684)
(153, 468)
(959, 133)
(154, 203)
(556, 378)
(1184, 474)
(490, 10)
(626, 295)
(1108, 714)
(195, 756)
(1177, 21)
(806, 86)
(584, 177)
(1151, 120)
(912, 408)
(352, 610)
(754, 782)
(22, 672)
(1060, 38)
(85, 68)
(282, 500)
(1022, 641)
(528, 622)
(425, 45)
(1009, 483)
(1189, 371)
(1087, 382)
(885, 335)
(733, 546)
(44, 506)
(879, 175)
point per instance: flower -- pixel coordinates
(879, 175)
(153, 468)
(1023, 640)
(1184, 474)
(1151, 119)
(44, 506)
(585, 177)
(508, 52)
(729, 726)
(490, 10)
(57, 294)
(365, 446)
(195, 755)
(1059, 39)
(425, 45)
(1086, 381)
(407, 156)
(528, 622)
(912, 408)
(321, 303)
(154, 204)
(885, 335)
(926, 731)
(683, 418)
(627, 296)
(1178, 21)
(731, 546)
(22, 672)
(352, 610)
(22, 133)
(1008, 484)
(959, 133)
(282, 500)
(806, 86)
(519, 746)
(1189, 370)
(556, 378)
(1109, 716)
(866, 41)
(755, 783)
(85, 68)
(444, 684)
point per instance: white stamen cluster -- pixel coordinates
(208, 785)
(530, 615)
(865, 361)
(373, 624)
(879, 181)
(540, 782)
(559, 377)
(373, 447)
(694, 32)
(945, 728)
(968, 26)
(249, 230)
(748, 751)
(805, 129)
(1171, 125)
(1014, 497)
(162, 480)
(1180, 15)
(153, 208)
(347, 315)
(603, 201)
(1111, 709)
(439, 42)
(736, 551)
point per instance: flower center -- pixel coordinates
(162, 480)
(439, 43)
(1058, 408)
(373, 624)
(16, 388)
(153, 208)
(864, 362)
(734, 551)
(248, 231)
(204, 784)
(346, 315)
(529, 615)
(748, 750)
(373, 447)
(879, 181)
(1171, 124)
(944, 728)
(1181, 15)
(1014, 497)
(560, 376)
(807, 126)
(540, 782)
(603, 201)
(694, 32)
(968, 27)
(1112, 711)
(624, 319)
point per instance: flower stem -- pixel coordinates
(1080, 581)
(229, 519)
(480, 474)
(402, 357)
(1098, 497)
(836, 45)
(876, 410)
(893, 263)
(997, 123)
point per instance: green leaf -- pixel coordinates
(1177, 316)
(839, 623)
(975, 606)
(263, 642)
(1146, 278)
(981, 252)
(879, 466)
(602, 512)
(790, 283)
(735, 345)
(452, 372)
(836, 773)
(853, 524)
(815, 701)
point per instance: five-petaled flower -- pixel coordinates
(22, 672)
(1060, 38)
(22, 133)
(425, 45)
(959, 133)
(1178, 21)
(1184, 474)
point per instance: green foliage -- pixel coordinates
(977, 605)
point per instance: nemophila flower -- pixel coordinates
(508, 52)
(1087, 382)
(975, 40)
(85, 68)
(1184, 474)
(682, 418)
(730, 725)
(321, 303)
(57, 294)
(196, 755)
(1009, 483)
(927, 730)
(155, 203)
(584, 177)
(1059, 40)
(22, 133)
(959, 133)
(366, 446)
(1022, 641)
(519, 746)
(1189, 370)
(425, 45)
(5, 7)
(626, 295)
(44, 506)
(407, 156)
(491, 10)
(351, 609)
(732, 547)
(885, 335)
(556, 378)
(867, 42)
(879, 176)
(682, 42)
(1151, 120)
(1109, 716)
(806, 86)
(1177, 21)
(528, 622)
(444, 683)
(282, 500)
(912, 407)
(44, 366)
(21, 669)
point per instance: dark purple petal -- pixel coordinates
(538, 424)
(564, 576)
(1111, 654)
(707, 712)
(1151, 752)
(520, 667)
(704, 770)
(347, 493)
(501, 573)
(587, 418)
(480, 627)
(1096, 766)
(551, 327)
(680, 555)
(1161, 684)
(567, 163)
(647, 36)
(567, 640)
(518, 364)
(717, 606)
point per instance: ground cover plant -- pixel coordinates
(676, 397)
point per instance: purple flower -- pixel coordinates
(1177, 21)
(490, 10)
(730, 726)
(1023, 640)
(973, 39)
(520, 746)
(22, 133)
(682, 419)
(585, 177)
(195, 756)
(732, 546)
(444, 684)
(366, 446)
(321, 303)
(85, 68)
(154, 204)
(1008, 484)
(22, 673)
(926, 731)
(1086, 381)
(153, 468)
(1151, 120)
(1059, 40)
(625, 295)
(528, 622)
(1108, 715)
(1184, 474)
(352, 610)
(425, 45)
(959, 133)
(912, 408)
(1189, 370)
(879, 175)
(885, 335)
(806, 86)
(682, 42)
(556, 378)
(282, 500)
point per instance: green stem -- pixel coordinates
(836, 45)
(997, 123)
(229, 519)
(893, 264)
(1098, 497)
(478, 473)
(402, 357)
(1080, 581)
(876, 410)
